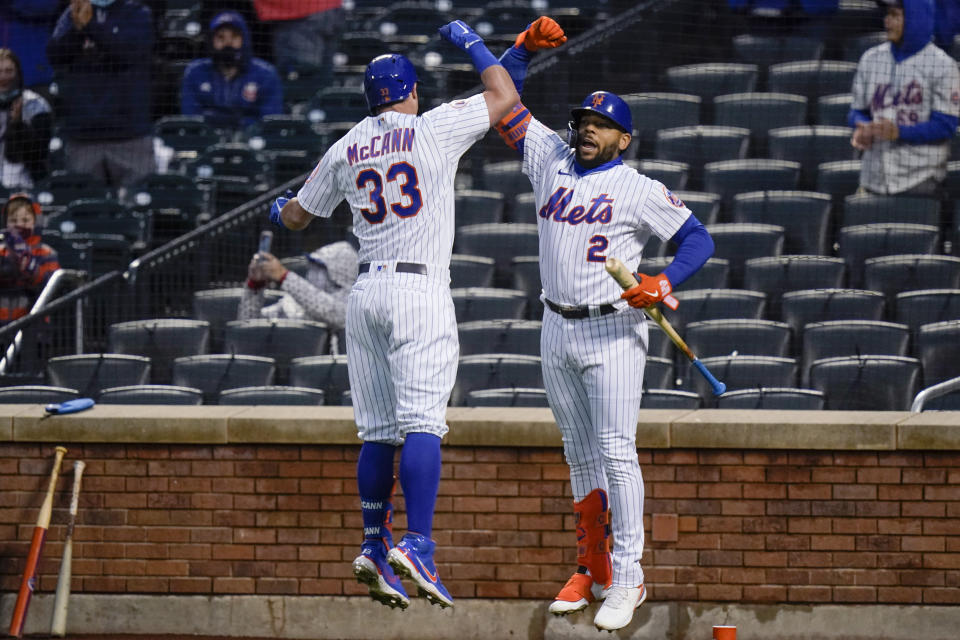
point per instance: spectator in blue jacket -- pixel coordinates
(25, 27)
(231, 88)
(946, 23)
(101, 53)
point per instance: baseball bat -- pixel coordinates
(626, 279)
(58, 626)
(29, 582)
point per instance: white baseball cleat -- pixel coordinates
(579, 592)
(618, 607)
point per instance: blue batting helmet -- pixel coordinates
(608, 105)
(388, 78)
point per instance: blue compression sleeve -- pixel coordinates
(374, 484)
(481, 56)
(939, 127)
(694, 247)
(420, 479)
(515, 61)
(857, 115)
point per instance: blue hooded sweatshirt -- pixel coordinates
(918, 23)
(255, 91)
(103, 72)
(25, 27)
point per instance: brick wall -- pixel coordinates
(751, 527)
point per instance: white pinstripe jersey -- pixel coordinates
(583, 220)
(397, 173)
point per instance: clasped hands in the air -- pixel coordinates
(542, 33)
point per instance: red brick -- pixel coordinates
(941, 527)
(833, 475)
(764, 558)
(742, 507)
(191, 585)
(855, 560)
(809, 594)
(941, 596)
(719, 593)
(854, 525)
(941, 560)
(924, 510)
(808, 559)
(854, 492)
(854, 594)
(809, 525)
(148, 585)
(831, 543)
(665, 527)
(743, 474)
(686, 507)
(497, 589)
(227, 585)
(698, 474)
(764, 593)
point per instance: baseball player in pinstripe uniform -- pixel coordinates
(905, 107)
(589, 205)
(396, 170)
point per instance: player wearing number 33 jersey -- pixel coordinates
(396, 170)
(591, 206)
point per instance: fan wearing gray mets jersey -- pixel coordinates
(396, 169)
(591, 206)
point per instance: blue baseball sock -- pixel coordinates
(420, 479)
(375, 484)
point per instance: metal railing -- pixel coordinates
(931, 393)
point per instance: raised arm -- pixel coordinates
(499, 91)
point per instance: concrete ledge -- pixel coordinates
(488, 427)
(359, 618)
(795, 430)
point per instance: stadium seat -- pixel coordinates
(832, 110)
(471, 271)
(212, 373)
(706, 206)
(499, 241)
(714, 274)
(654, 111)
(952, 182)
(800, 308)
(507, 178)
(161, 340)
(658, 373)
(272, 395)
(715, 304)
(103, 252)
(337, 104)
(72, 252)
(659, 344)
(737, 242)
(188, 136)
(408, 19)
(868, 208)
(730, 177)
(512, 397)
(500, 336)
(478, 207)
(742, 372)
(894, 274)
(711, 79)
(525, 272)
(328, 373)
(950, 401)
(479, 303)
(937, 345)
(695, 145)
(804, 216)
(151, 394)
(866, 383)
(236, 173)
(839, 179)
(778, 398)
(100, 216)
(852, 338)
(36, 394)
(669, 399)
(811, 146)
(290, 142)
(709, 338)
(760, 112)
(280, 339)
(925, 306)
(503, 19)
(855, 46)
(357, 47)
(673, 175)
(495, 371)
(859, 242)
(775, 275)
(812, 78)
(60, 188)
(174, 202)
(89, 373)
(220, 306)
(767, 50)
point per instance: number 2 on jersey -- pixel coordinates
(598, 244)
(410, 201)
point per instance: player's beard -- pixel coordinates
(604, 154)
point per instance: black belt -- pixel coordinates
(402, 267)
(578, 313)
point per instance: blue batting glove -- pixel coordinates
(460, 34)
(277, 206)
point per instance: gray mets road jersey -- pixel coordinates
(905, 93)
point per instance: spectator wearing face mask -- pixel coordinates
(320, 295)
(25, 261)
(26, 123)
(231, 88)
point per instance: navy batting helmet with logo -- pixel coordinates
(388, 78)
(608, 105)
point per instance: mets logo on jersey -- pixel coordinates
(249, 92)
(672, 198)
(597, 100)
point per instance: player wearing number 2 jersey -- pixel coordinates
(396, 169)
(590, 206)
